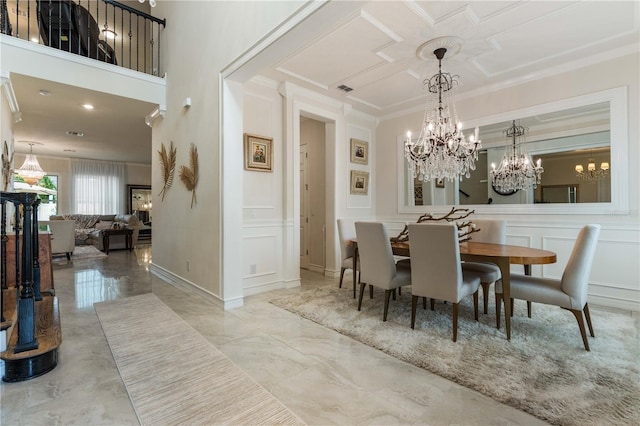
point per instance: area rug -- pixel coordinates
(544, 369)
(80, 253)
(174, 376)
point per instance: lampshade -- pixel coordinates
(30, 170)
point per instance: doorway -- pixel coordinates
(312, 194)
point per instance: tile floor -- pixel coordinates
(323, 377)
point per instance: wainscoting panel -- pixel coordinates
(262, 257)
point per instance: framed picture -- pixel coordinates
(359, 182)
(440, 183)
(258, 153)
(359, 151)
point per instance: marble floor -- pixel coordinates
(323, 377)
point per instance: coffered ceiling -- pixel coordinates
(374, 50)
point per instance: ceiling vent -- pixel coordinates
(72, 133)
(345, 88)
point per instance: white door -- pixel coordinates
(304, 207)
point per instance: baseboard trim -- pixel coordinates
(179, 282)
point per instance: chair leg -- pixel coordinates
(583, 332)
(387, 294)
(424, 303)
(433, 304)
(485, 296)
(370, 292)
(414, 302)
(394, 294)
(498, 308)
(475, 305)
(528, 308)
(512, 307)
(400, 291)
(341, 276)
(588, 317)
(68, 255)
(455, 321)
(362, 286)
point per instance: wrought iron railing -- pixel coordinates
(27, 268)
(105, 30)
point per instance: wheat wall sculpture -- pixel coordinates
(168, 162)
(6, 166)
(189, 175)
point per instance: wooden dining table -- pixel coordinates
(502, 255)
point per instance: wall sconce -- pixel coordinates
(160, 110)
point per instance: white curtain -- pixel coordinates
(97, 187)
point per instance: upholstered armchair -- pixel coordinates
(569, 292)
(63, 238)
(346, 232)
(436, 271)
(377, 265)
(494, 232)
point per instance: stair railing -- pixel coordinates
(104, 30)
(25, 219)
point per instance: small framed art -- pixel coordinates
(258, 153)
(359, 182)
(359, 151)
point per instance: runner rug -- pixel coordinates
(544, 369)
(174, 376)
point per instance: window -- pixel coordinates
(97, 187)
(47, 190)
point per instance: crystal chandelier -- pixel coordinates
(441, 151)
(152, 3)
(592, 174)
(30, 170)
(516, 170)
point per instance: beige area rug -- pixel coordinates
(80, 253)
(544, 369)
(174, 376)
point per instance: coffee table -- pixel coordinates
(107, 233)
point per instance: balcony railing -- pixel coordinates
(105, 30)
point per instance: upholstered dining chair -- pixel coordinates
(436, 271)
(347, 232)
(494, 232)
(570, 292)
(377, 265)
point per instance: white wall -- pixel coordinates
(201, 39)
(614, 278)
(6, 131)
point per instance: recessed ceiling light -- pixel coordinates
(69, 150)
(87, 106)
(45, 92)
(72, 133)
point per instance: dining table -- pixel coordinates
(502, 255)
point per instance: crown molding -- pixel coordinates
(7, 89)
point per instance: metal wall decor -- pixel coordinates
(189, 175)
(168, 167)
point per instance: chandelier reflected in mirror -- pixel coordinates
(516, 170)
(441, 151)
(592, 174)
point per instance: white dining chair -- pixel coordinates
(347, 232)
(377, 265)
(570, 292)
(436, 271)
(494, 232)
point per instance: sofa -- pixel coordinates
(88, 228)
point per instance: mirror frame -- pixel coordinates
(130, 189)
(617, 98)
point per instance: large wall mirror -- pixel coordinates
(139, 202)
(578, 133)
